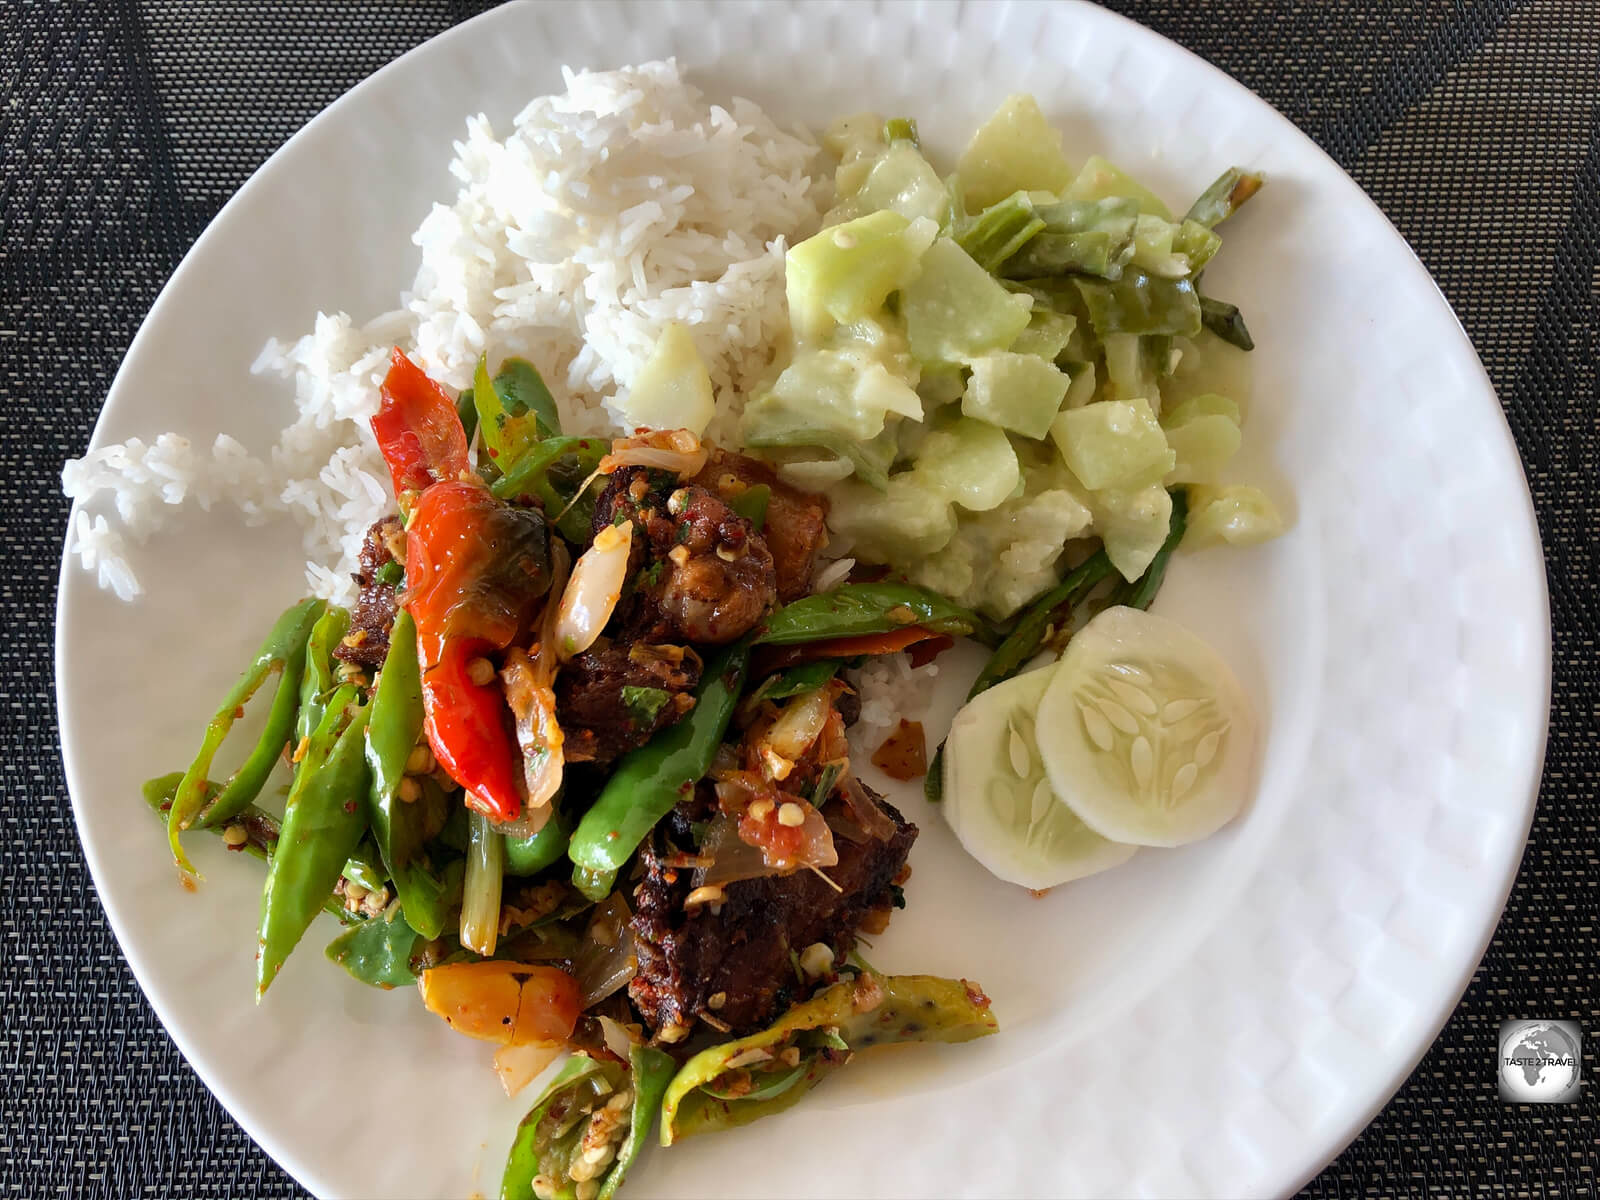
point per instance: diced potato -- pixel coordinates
(1017, 149)
(1131, 372)
(1240, 516)
(1081, 390)
(903, 181)
(507, 1002)
(856, 141)
(847, 271)
(673, 388)
(845, 391)
(955, 310)
(1019, 392)
(1048, 334)
(1132, 523)
(969, 463)
(1113, 444)
(904, 521)
(942, 385)
(1203, 432)
(1100, 180)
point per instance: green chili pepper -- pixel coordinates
(870, 1010)
(751, 504)
(323, 822)
(532, 476)
(260, 829)
(284, 651)
(398, 827)
(1223, 198)
(650, 780)
(377, 952)
(467, 410)
(549, 1137)
(532, 854)
(853, 609)
(321, 671)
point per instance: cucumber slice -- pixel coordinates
(1151, 740)
(999, 802)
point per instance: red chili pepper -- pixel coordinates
(779, 657)
(475, 566)
(417, 429)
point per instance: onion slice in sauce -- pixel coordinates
(591, 595)
(606, 960)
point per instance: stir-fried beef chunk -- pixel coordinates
(612, 699)
(373, 615)
(701, 572)
(740, 955)
(795, 527)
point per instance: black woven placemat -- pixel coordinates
(125, 127)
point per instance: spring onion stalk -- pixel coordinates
(1000, 231)
(480, 896)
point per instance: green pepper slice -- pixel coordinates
(750, 1078)
(578, 1106)
(853, 609)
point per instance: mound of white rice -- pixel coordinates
(624, 204)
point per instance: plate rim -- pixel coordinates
(1315, 1158)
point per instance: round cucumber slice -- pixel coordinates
(1150, 740)
(999, 802)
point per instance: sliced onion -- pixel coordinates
(606, 960)
(617, 1038)
(529, 682)
(518, 1066)
(676, 450)
(799, 724)
(873, 820)
(732, 859)
(591, 595)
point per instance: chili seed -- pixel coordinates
(419, 761)
(791, 814)
(409, 790)
(816, 960)
(704, 895)
(235, 835)
(717, 1000)
(480, 671)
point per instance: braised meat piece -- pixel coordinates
(796, 525)
(701, 572)
(611, 699)
(740, 955)
(367, 643)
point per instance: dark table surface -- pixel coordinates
(1472, 124)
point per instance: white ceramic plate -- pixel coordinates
(1216, 1020)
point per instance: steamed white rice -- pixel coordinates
(626, 203)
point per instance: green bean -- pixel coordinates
(1224, 197)
(323, 822)
(364, 867)
(650, 780)
(532, 854)
(531, 477)
(1000, 231)
(260, 830)
(283, 651)
(1142, 592)
(321, 670)
(1141, 303)
(398, 826)
(853, 609)
(1224, 321)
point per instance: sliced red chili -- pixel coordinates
(417, 429)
